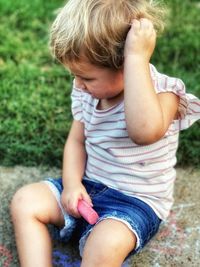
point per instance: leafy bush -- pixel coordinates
(177, 54)
(35, 91)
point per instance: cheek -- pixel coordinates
(95, 86)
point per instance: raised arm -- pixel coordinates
(148, 115)
(74, 160)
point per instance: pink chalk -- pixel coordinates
(87, 212)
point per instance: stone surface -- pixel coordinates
(176, 244)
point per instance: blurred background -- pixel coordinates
(35, 114)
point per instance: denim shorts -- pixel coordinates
(110, 203)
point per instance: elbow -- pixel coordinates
(146, 136)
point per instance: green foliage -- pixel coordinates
(34, 91)
(35, 112)
(177, 54)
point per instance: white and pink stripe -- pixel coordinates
(145, 172)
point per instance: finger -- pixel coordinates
(154, 33)
(87, 198)
(135, 24)
(146, 23)
(70, 207)
(74, 209)
(74, 212)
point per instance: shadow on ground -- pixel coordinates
(176, 244)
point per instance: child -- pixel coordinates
(121, 150)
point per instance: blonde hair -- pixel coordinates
(97, 29)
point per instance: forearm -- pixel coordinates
(74, 159)
(143, 111)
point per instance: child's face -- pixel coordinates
(101, 83)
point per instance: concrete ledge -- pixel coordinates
(176, 244)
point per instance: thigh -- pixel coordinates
(37, 200)
(108, 244)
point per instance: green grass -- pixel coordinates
(35, 91)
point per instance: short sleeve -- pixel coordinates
(76, 107)
(189, 105)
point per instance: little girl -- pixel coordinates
(121, 150)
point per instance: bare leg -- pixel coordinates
(32, 207)
(108, 244)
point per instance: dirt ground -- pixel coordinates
(176, 244)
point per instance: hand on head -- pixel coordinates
(141, 39)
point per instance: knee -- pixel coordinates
(108, 244)
(102, 252)
(20, 205)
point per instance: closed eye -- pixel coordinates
(87, 79)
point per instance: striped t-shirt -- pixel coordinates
(143, 171)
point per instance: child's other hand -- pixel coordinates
(70, 197)
(141, 39)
